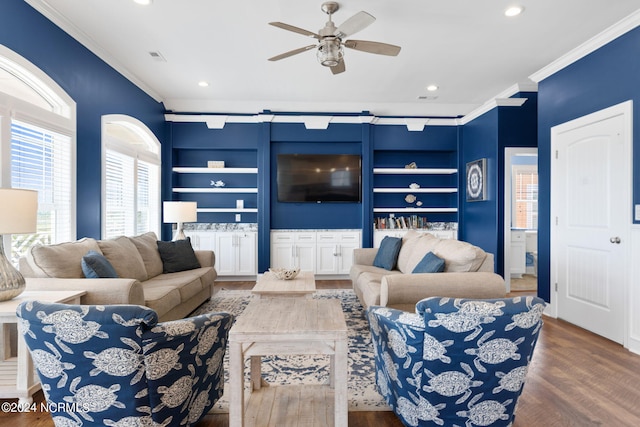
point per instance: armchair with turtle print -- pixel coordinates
(115, 365)
(455, 362)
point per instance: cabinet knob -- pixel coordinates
(615, 240)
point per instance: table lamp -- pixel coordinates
(18, 215)
(180, 212)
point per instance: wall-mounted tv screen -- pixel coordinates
(319, 178)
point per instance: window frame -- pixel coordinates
(60, 118)
(151, 154)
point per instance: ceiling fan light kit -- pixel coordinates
(329, 50)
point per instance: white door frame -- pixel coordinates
(509, 152)
(626, 110)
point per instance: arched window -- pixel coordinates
(130, 177)
(38, 148)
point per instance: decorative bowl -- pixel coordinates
(285, 273)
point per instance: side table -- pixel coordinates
(17, 377)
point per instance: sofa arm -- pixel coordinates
(99, 291)
(364, 256)
(405, 290)
(206, 258)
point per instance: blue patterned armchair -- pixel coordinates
(457, 362)
(115, 365)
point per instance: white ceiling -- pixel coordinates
(466, 47)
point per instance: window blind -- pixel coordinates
(41, 160)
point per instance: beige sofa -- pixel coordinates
(468, 273)
(140, 279)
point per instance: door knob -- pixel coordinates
(615, 240)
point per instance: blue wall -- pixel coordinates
(96, 88)
(482, 222)
(606, 77)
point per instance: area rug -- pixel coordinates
(304, 369)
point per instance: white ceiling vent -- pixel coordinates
(427, 97)
(157, 56)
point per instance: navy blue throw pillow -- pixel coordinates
(177, 255)
(430, 263)
(95, 266)
(388, 253)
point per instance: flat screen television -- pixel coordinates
(319, 178)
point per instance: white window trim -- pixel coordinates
(62, 119)
(111, 143)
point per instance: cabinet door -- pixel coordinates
(202, 240)
(225, 253)
(327, 258)
(305, 256)
(282, 255)
(518, 253)
(246, 254)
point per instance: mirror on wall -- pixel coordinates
(521, 219)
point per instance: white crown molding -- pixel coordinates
(51, 14)
(502, 100)
(217, 121)
(624, 26)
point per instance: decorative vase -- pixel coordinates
(12, 283)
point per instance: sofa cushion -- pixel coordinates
(95, 266)
(423, 245)
(148, 248)
(459, 256)
(189, 282)
(177, 256)
(430, 263)
(63, 260)
(387, 255)
(125, 258)
(409, 241)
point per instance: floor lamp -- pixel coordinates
(179, 213)
(18, 215)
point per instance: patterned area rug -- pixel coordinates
(280, 370)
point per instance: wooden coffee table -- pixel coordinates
(288, 326)
(268, 286)
(17, 374)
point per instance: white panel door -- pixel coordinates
(590, 208)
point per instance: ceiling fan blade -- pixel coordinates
(373, 47)
(357, 22)
(292, 52)
(338, 68)
(295, 29)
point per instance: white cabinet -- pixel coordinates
(334, 251)
(236, 251)
(518, 253)
(327, 252)
(293, 249)
(378, 235)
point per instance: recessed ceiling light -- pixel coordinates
(432, 88)
(143, 2)
(203, 84)
(514, 11)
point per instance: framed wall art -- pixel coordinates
(476, 180)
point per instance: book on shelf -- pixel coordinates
(400, 222)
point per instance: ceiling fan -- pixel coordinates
(330, 51)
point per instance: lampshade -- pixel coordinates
(18, 211)
(178, 212)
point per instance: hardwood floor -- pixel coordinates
(576, 379)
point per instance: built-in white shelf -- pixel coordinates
(214, 170)
(215, 190)
(415, 210)
(415, 190)
(418, 171)
(235, 210)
